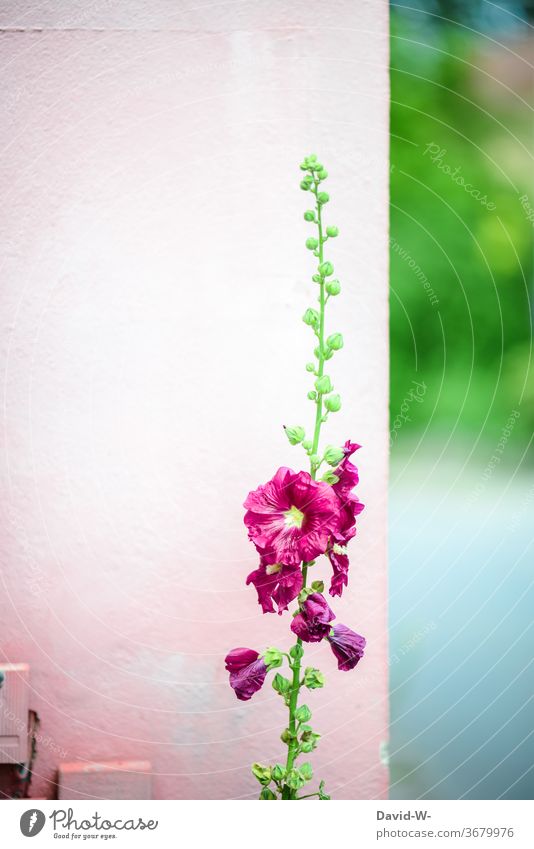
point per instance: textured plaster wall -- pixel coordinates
(153, 276)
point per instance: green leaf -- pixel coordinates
(322, 794)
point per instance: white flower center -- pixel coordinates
(294, 517)
(273, 568)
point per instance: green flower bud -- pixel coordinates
(330, 477)
(309, 738)
(326, 269)
(311, 158)
(286, 736)
(317, 166)
(317, 352)
(302, 714)
(295, 780)
(316, 278)
(303, 166)
(273, 658)
(312, 395)
(266, 793)
(317, 586)
(304, 593)
(281, 684)
(313, 678)
(323, 197)
(335, 341)
(312, 243)
(309, 215)
(328, 354)
(315, 460)
(296, 652)
(310, 366)
(307, 747)
(278, 772)
(295, 434)
(262, 773)
(333, 287)
(304, 185)
(333, 403)
(311, 317)
(322, 174)
(306, 771)
(332, 231)
(333, 455)
(307, 445)
(323, 384)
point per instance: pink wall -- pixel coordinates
(153, 279)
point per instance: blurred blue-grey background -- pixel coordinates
(462, 400)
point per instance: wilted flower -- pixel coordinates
(312, 624)
(291, 518)
(347, 645)
(277, 583)
(247, 672)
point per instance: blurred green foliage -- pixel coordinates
(469, 342)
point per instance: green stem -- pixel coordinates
(319, 401)
(296, 684)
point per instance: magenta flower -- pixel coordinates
(275, 582)
(340, 566)
(291, 518)
(312, 624)
(349, 507)
(247, 672)
(347, 646)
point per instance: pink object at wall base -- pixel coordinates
(152, 349)
(105, 780)
(14, 706)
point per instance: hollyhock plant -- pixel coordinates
(295, 519)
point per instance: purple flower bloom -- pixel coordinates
(275, 582)
(313, 621)
(291, 517)
(247, 672)
(347, 646)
